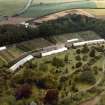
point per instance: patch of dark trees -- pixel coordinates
(10, 34)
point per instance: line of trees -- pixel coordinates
(10, 34)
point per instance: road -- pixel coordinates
(29, 2)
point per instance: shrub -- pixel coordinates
(85, 49)
(92, 53)
(51, 97)
(78, 51)
(23, 91)
(78, 64)
(57, 62)
(85, 57)
(78, 57)
(87, 77)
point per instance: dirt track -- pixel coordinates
(93, 101)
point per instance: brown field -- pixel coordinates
(14, 20)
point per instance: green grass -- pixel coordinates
(9, 7)
(38, 10)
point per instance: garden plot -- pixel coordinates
(34, 44)
(10, 54)
(83, 35)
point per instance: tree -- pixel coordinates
(78, 64)
(92, 53)
(51, 97)
(57, 62)
(78, 51)
(78, 58)
(43, 67)
(85, 49)
(47, 82)
(66, 59)
(87, 77)
(23, 91)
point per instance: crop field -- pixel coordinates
(53, 1)
(40, 8)
(100, 13)
(9, 7)
(37, 10)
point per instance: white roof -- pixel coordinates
(3, 48)
(72, 40)
(21, 62)
(89, 42)
(54, 51)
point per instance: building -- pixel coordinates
(54, 51)
(21, 62)
(3, 48)
(88, 42)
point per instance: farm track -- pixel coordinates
(29, 2)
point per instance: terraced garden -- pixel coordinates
(9, 55)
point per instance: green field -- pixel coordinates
(37, 10)
(10, 7)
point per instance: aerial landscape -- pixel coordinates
(52, 52)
